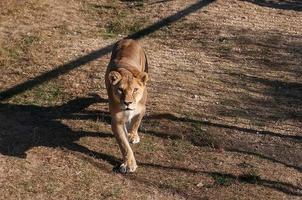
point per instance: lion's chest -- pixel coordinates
(128, 115)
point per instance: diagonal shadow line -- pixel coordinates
(148, 3)
(89, 156)
(65, 68)
(79, 148)
(60, 70)
(160, 1)
(265, 157)
(298, 138)
(243, 178)
(169, 116)
(171, 19)
(285, 5)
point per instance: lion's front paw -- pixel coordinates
(125, 168)
(134, 138)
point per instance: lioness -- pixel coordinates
(126, 79)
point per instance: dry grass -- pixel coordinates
(224, 113)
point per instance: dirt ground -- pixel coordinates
(224, 114)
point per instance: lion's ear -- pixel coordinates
(114, 77)
(143, 77)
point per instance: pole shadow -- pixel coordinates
(295, 5)
(67, 67)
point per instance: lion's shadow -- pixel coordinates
(26, 126)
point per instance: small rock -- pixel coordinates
(200, 184)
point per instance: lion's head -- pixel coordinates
(127, 88)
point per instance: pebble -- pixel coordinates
(200, 184)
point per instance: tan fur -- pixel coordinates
(125, 79)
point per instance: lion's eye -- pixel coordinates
(120, 91)
(135, 90)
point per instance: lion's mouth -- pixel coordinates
(127, 109)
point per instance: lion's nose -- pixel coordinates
(127, 103)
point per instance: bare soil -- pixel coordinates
(224, 117)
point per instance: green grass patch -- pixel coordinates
(201, 137)
(150, 146)
(117, 18)
(251, 177)
(28, 40)
(222, 180)
(112, 193)
(102, 8)
(63, 29)
(48, 94)
(225, 44)
(29, 186)
(137, 3)
(122, 24)
(163, 33)
(179, 183)
(13, 51)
